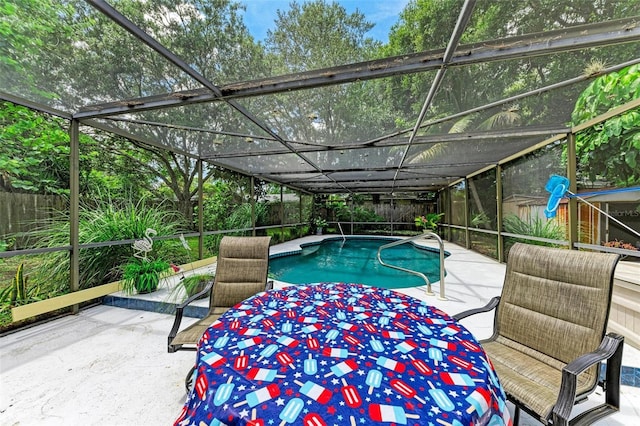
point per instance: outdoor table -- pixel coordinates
(339, 354)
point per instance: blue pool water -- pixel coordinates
(355, 261)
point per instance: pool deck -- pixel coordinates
(109, 365)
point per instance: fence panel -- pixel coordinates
(23, 212)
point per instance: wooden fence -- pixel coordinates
(399, 213)
(402, 212)
(23, 212)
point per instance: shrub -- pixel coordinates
(534, 227)
(428, 222)
(102, 221)
(239, 218)
(19, 292)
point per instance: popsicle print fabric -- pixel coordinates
(341, 354)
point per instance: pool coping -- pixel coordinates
(302, 246)
(321, 239)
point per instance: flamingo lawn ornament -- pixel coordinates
(143, 246)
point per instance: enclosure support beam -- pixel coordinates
(467, 239)
(282, 212)
(573, 186)
(300, 194)
(34, 105)
(499, 212)
(450, 207)
(74, 210)
(565, 39)
(253, 206)
(110, 12)
(449, 213)
(461, 24)
(392, 203)
(613, 112)
(200, 210)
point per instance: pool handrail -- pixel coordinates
(427, 234)
(344, 239)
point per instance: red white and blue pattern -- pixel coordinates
(341, 354)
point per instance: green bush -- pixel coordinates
(534, 227)
(19, 292)
(239, 218)
(279, 235)
(343, 213)
(103, 220)
(428, 222)
(480, 219)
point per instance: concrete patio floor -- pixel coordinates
(109, 365)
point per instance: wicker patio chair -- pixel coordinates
(549, 333)
(241, 272)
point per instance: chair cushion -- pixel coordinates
(228, 294)
(530, 378)
(556, 301)
(241, 271)
(192, 334)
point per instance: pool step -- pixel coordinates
(153, 306)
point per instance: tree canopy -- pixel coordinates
(72, 38)
(610, 150)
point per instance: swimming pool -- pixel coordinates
(354, 260)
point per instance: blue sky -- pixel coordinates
(260, 14)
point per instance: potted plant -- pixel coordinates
(143, 275)
(428, 222)
(320, 223)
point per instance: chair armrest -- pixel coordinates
(610, 349)
(180, 313)
(486, 308)
(201, 293)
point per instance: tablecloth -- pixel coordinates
(337, 354)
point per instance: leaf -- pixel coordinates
(613, 127)
(630, 159)
(630, 120)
